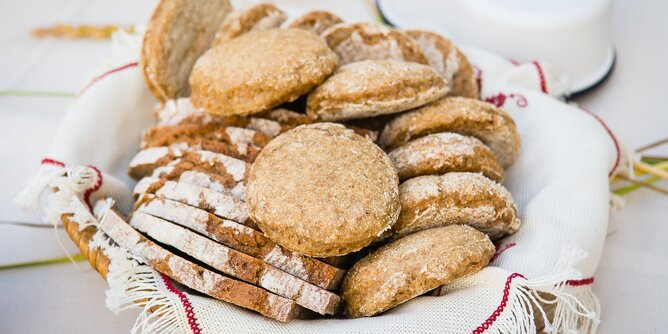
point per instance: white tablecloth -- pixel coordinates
(61, 299)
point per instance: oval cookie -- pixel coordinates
(374, 87)
(173, 42)
(456, 198)
(492, 125)
(262, 16)
(364, 41)
(413, 265)
(445, 152)
(316, 21)
(323, 190)
(449, 61)
(260, 70)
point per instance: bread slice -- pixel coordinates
(236, 264)
(181, 111)
(147, 160)
(234, 141)
(222, 205)
(243, 239)
(194, 276)
(186, 172)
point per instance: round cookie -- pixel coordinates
(449, 61)
(456, 198)
(413, 265)
(374, 87)
(316, 21)
(445, 152)
(260, 70)
(363, 41)
(492, 125)
(322, 190)
(262, 16)
(172, 43)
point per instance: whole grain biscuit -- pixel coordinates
(371, 41)
(492, 125)
(316, 21)
(375, 87)
(413, 265)
(260, 70)
(456, 198)
(178, 33)
(445, 152)
(262, 16)
(323, 190)
(449, 61)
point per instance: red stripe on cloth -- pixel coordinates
(504, 301)
(501, 250)
(49, 161)
(580, 282)
(111, 71)
(541, 76)
(94, 188)
(190, 312)
(506, 295)
(618, 150)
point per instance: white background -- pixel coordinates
(630, 282)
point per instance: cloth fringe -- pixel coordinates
(29, 198)
(135, 285)
(576, 308)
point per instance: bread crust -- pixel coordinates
(445, 152)
(262, 16)
(178, 33)
(492, 125)
(371, 41)
(374, 87)
(260, 70)
(323, 190)
(413, 265)
(316, 21)
(443, 55)
(456, 198)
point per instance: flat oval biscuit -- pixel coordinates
(262, 16)
(445, 152)
(413, 265)
(449, 61)
(174, 40)
(260, 70)
(371, 41)
(492, 125)
(316, 21)
(375, 87)
(456, 198)
(322, 190)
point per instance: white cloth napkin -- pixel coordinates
(560, 184)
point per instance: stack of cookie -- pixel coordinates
(265, 172)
